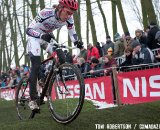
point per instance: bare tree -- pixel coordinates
(144, 14)
(114, 17)
(156, 4)
(122, 17)
(91, 21)
(133, 5)
(13, 29)
(103, 16)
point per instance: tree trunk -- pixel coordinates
(33, 7)
(4, 48)
(42, 4)
(144, 14)
(87, 31)
(28, 17)
(150, 11)
(104, 18)
(24, 33)
(13, 31)
(1, 27)
(77, 25)
(91, 21)
(114, 18)
(122, 17)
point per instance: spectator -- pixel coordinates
(83, 53)
(108, 62)
(102, 43)
(128, 57)
(110, 51)
(4, 76)
(140, 37)
(146, 31)
(83, 66)
(108, 44)
(95, 66)
(158, 56)
(127, 40)
(140, 55)
(92, 52)
(157, 38)
(3, 84)
(119, 45)
(99, 49)
(151, 42)
(26, 69)
(0, 82)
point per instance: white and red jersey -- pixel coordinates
(47, 21)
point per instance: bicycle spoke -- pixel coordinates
(65, 101)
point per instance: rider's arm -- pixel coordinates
(31, 32)
(37, 22)
(71, 30)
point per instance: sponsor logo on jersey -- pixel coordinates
(46, 13)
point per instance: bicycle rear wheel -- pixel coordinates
(66, 93)
(22, 99)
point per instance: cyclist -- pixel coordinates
(40, 33)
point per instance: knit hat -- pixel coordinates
(135, 43)
(117, 36)
(138, 30)
(108, 37)
(152, 23)
(127, 34)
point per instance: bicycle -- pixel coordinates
(63, 105)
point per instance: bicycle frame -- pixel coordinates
(45, 88)
(53, 56)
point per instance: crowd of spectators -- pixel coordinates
(98, 60)
(12, 76)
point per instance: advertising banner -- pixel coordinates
(139, 86)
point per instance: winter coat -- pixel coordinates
(151, 42)
(142, 57)
(119, 48)
(107, 46)
(93, 52)
(142, 40)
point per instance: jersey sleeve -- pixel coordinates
(71, 30)
(31, 32)
(41, 16)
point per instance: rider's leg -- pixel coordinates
(35, 63)
(34, 53)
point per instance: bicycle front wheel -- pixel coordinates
(66, 93)
(22, 99)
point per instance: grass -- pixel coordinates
(132, 114)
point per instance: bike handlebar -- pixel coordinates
(54, 43)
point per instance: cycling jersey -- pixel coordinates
(47, 21)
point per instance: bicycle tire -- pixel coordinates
(55, 109)
(22, 99)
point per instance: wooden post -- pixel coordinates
(115, 80)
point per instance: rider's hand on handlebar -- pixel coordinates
(78, 44)
(46, 37)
